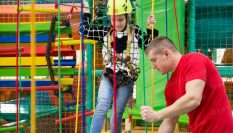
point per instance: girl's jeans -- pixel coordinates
(105, 95)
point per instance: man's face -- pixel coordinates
(159, 62)
(120, 22)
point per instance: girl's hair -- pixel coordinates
(129, 27)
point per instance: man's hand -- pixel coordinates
(148, 114)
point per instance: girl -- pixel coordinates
(128, 41)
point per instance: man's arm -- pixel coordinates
(168, 125)
(184, 104)
(188, 102)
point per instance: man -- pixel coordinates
(195, 87)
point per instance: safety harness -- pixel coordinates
(125, 78)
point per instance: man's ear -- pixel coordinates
(166, 52)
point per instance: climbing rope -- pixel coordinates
(152, 70)
(177, 27)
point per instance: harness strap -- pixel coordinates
(127, 61)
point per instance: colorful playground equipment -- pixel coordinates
(49, 74)
(54, 68)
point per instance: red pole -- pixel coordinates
(38, 88)
(114, 68)
(87, 113)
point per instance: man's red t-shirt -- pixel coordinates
(213, 115)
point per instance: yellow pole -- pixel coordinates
(33, 70)
(39, 9)
(152, 73)
(75, 42)
(152, 12)
(79, 75)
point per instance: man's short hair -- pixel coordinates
(159, 44)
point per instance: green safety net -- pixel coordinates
(168, 25)
(160, 14)
(214, 37)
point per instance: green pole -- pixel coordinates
(89, 83)
(59, 66)
(10, 129)
(191, 26)
(97, 72)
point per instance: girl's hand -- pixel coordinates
(86, 7)
(151, 21)
(118, 57)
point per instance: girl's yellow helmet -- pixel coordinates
(121, 7)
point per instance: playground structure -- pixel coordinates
(55, 71)
(57, 92)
